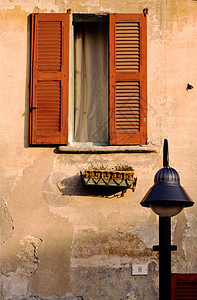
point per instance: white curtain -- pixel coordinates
(91, 82)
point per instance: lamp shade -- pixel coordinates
(166, 197)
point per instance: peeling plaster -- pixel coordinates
(34, 296)
(131, 296)
(28, 255)
(191, 230)
(15, 284)
(6, 222)
(15, 169)
(106, 261)
(148, 233)
(111, 244)
(115, 250)
(184, 236)
(28, 5)
(119, 280)
(179, 233)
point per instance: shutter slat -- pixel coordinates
(43, 102)
(130, 83)
(127, 92)
(122, 93)
(130, 106)
(127, 24)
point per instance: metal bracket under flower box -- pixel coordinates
(122, 180)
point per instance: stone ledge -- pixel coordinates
(80, 149)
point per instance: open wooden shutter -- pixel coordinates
(184, 286)
(49, 79)
(127, 79)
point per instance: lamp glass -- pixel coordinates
(166, 210)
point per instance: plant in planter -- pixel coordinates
(118, 172)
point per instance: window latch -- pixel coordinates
(33, 108)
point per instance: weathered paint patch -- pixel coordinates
(28, 254)
(110, 244)
(34, 296)
(15, 284)
(110, 283)
(6, 222)
(13, 18)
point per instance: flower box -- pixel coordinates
(109, 174)
(109, 178)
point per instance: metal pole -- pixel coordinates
(164, 258)
(165, 245)
(165, 154)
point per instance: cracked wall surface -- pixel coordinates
(59, 241)
(15, 284)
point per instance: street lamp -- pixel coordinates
(166, 198)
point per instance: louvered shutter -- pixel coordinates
(184, 287)
(49, 79)
(127, 79)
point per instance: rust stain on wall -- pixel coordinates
(13, 19)
(90, 243)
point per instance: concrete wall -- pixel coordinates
(57, 240)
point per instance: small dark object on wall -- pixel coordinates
(189, 87)
(145, 11)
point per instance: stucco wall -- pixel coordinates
(59, 241)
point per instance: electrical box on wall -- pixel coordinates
(139, 269)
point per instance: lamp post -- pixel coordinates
(166, 198)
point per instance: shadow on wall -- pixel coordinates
(58, 190)
(73, 186)
(27, 87)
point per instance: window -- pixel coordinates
(91, 78)
(110, 83)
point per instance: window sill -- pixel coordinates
(105, 149)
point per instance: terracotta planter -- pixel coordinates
(109, 174)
